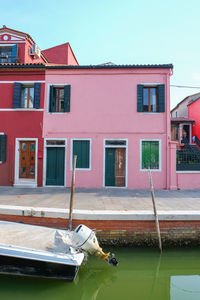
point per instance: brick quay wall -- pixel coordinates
(117, 228)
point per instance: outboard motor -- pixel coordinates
(84, 238)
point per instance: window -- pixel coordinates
(8, 54)
(115, 143)
(151, 98)
(174, 132)
(55, 142)
(59, 100)
(150, 155)
(5, 54)
(26, 96)
(81, 148)
(3, 143)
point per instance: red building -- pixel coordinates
(22, 82)
(194, 114)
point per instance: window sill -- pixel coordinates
(82, 169)
(28, 109)
(152, 170)
(151, 113)
(57, 113)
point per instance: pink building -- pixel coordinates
(116, 119)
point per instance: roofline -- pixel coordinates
(192, 101)
(72, 53)
(18, 32)
(164, 66)
(177, 105)
(55, 46)
(41, 65)
(67, 44)
(22, 66)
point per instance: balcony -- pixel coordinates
(9, 59)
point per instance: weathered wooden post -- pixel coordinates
(72, 193)
(155, 211)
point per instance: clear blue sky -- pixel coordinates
(120, 31)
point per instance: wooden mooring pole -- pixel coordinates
(72, 193)
(155, 211)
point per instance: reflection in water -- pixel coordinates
(141, 275)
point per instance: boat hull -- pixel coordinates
(33, 268)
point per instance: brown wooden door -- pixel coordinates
(27, 159)
(120, 166)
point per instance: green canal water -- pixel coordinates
(141, 274)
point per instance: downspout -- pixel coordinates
(168, 129)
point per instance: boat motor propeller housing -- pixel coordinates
(84, 238)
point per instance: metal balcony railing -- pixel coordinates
(9, 59)
(188, 158)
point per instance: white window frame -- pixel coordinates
(45, 160)
(48, 98)
(90, 152)
(27, 85)
(160, 160)
(104, 157)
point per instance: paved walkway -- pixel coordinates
(101, 199)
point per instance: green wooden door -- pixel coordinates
(110, 167)
(55, 166)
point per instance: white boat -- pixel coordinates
(37, 251)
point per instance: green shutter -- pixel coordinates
(17, 95)
(3, 142)
(150, 155)
(82, 150)
(52, 100)
(139, 97)
(37, 88)
(146, 152)
(161, 97)
(67, 94)
(14, 54)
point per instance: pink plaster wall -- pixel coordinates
(188, 180)
(104, 105)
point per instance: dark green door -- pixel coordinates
(55, 166)
(110, 167)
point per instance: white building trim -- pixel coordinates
(23, 182)
(104, 157)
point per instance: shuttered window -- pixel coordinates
(150, 155)
(81, 148)
(26, 96)
(8, 54)
(3, 146)
(59, 99)
(151, 98)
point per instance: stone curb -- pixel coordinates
(139, 215)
